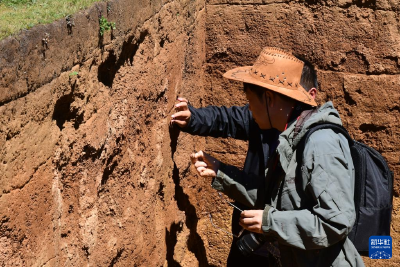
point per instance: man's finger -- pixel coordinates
(181, 115)
(248, 221)
(207, 173)
(181, 106)
(200, 164)
(193, 158)
(182, 99)
(201, 169)
(196, 156)
(179, 123)
(247, 214)
(199, 155)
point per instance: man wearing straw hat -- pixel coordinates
(308, 209)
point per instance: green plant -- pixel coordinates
(15, 3)
(16, 15)
(105, 25)
(73, 73)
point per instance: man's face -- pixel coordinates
(279, 109)
(258, 107)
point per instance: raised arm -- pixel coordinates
(213, 121)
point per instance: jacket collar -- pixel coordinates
(287, 144)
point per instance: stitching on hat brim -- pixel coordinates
(242, 75)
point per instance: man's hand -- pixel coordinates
(182, 116)
(251, 220)
(206, 165)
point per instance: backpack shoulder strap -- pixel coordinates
(301, 145)
(335, 127)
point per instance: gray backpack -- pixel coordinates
(373, 195)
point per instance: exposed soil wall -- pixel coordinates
(90, 171)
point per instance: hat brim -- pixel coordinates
(242, 74)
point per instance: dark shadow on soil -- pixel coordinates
(108, 69)
(63, 111)
(116, 258)
(110, 165)
(369, 127)
(170, 240)
(195, 243)
(173, 135)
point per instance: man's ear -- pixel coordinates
(313, 92)
(268, 99)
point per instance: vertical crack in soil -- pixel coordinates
(160, 191)
(171, 240)
(195, 243)
(116, 258)
(348, 99)
(110, 166)
(107, 172)
(173, 135)
(108, 69)
(86, 251)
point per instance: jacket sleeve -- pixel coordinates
(328, 176)
(220, 122)
(238, 185)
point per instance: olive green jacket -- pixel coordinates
(308, 209)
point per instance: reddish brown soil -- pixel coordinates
(91, 172)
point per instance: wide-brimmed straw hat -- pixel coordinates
(275, 70)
